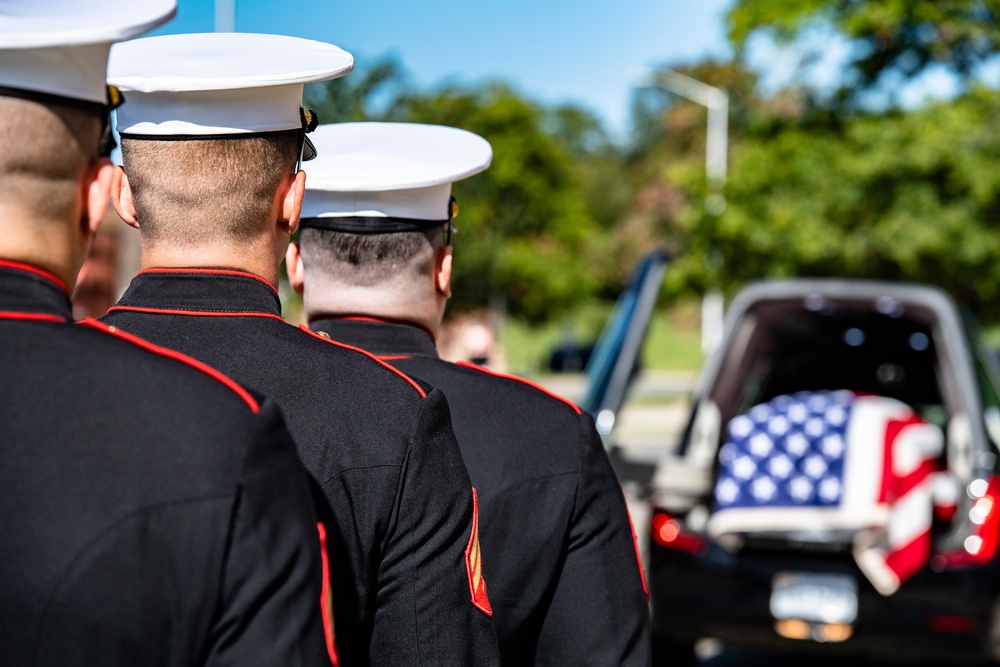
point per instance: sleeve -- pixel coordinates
(427, 599)
(274, 584)
(599, 614)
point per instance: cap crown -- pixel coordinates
(397, 170)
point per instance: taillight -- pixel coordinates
(668, 531)
(981, 545)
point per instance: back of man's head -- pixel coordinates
(45, 150)
(193, 191)
(350, 260)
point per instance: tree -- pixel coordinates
(903, 196)
(363, 95)
(523, 225)
(890, 38)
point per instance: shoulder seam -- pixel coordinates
(487, 371)
(221, 378)
(411, 381)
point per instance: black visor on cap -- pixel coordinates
(360, 224)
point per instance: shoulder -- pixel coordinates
(373, 368)
(517, 388)
(173, 365)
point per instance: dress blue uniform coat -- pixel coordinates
(558, 548)
(154, 512)
(407, 586)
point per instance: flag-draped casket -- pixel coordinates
(858, 465)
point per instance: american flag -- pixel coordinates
(834, 460)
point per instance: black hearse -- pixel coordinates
(801, 589)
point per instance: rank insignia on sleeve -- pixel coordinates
(474, 563)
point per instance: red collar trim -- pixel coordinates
(481, 369)
(420, 390)
(393, 357)
(228, 382)
(373, 320)
(28, 268)
(217, 272)
(358, 318)
(194, 313)
(35, 317)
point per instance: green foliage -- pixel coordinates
(524, 224)
(903, 37)
(912, 196)
(357, 97)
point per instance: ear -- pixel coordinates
(97, 182)
(296, 270)
(121, 197)
(290, 201)
(442, 272)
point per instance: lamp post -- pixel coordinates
(716, 158)
(716, 101)
(225, 15)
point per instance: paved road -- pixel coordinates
(734, 658)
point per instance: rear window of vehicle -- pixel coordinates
(781, 347)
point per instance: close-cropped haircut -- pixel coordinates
(44, 151)
(369, 260)
(191, 191)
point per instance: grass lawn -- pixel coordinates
(673, 343)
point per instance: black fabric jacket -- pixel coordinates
(154, 512)
(378, 444)
(558, 548)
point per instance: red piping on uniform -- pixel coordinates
(635, 543)
(423, 394)
(465, 364)
(183, 358)
(393, 357)
(326, 600)
(28, 268)
(222, 272)
(34, 317)
(373, 320)
(193, 313)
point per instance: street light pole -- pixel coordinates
(716, 158)
(717, 102)
(225, 15)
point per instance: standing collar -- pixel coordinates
(28, 292)
(199, 291)
(386, 340)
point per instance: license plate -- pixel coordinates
(820, 598)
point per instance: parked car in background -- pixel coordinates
(794, 576)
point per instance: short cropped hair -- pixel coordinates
(44, 151)
(195, 190)
(369, 260)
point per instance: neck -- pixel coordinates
(48, 244)
(374, 302)
(254, 257)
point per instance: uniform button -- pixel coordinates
(112, 328)
(323, 334)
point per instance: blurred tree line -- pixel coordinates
(838, 179)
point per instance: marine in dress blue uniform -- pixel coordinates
(154, 511)
(374, 264)
(407, 588)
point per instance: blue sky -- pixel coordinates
(587, 51)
